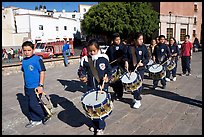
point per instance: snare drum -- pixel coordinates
(171, 65)
(157, 71)
(97, 104)
(116, 74)
(131, 81)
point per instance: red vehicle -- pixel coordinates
(49, 49)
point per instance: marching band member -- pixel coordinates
(117, 52)
(174, 51)
(137, 57)
(160, 55)
(99, 62)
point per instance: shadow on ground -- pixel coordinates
(170, 95)
(73, 85)
(71, 114)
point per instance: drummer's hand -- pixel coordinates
(140, 64)
(126, 65)
(83, 79)
(105, 79)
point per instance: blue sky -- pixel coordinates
(68, 6)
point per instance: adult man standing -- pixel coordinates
(65, 50)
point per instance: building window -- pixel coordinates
(195, 7)
(74, 28)
(65, 27)
(73, 16)
(84, 9)
(194, 33)
(40, 27)
(57, 28)
(195, 21)
(169, 33)
(183, 34)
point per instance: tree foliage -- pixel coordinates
(125, 18)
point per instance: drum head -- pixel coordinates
(89, 99)
(156, 68)
(129, 77)
(150, 62)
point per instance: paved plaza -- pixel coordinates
(176, 110)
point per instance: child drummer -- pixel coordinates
(92, 70)
(138, 58)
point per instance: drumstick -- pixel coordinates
(101, 87)
(166, 60)
(137, 66)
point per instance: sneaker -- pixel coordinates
(154, 87)
(188, 74)
(99, 132)
(137, 104)
(118, 98)
(167, 79)
(91, 129)
(174, 79)
(33, 123)
(183, 74)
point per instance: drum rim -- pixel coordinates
(97, 105)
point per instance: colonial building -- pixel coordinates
(178, 19)
(20, 24)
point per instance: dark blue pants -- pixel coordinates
(163, 80)
(173, 71)
(118, 88)
(185, 62)
(99, 124)
(36, 112)
(137, 93)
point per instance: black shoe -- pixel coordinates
(154, 87)
(163, 87)
(119, 98)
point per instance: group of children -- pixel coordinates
(94, 66)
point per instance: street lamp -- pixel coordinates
(170, 19)
(169, 23)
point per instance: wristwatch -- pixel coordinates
(41, 85)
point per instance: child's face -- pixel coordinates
(186, 39)
(117, 40)
(27, 51)
(92, 50)
(162, 40)
(140, 40)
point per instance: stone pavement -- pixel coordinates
(174, 110)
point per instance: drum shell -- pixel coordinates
(116, 74)
(135, 84)
(100, 110)
(158, 74)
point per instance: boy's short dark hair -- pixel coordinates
(161, 36)
(28, 43)
(115, 35)
(187, 36)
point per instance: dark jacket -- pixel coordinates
(141, 54)
(102, 66)
(118, 52)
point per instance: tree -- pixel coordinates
(36, 7)
(125, 18)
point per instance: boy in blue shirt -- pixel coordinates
(34, 74)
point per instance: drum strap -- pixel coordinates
(134, 59)
(93, 70)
